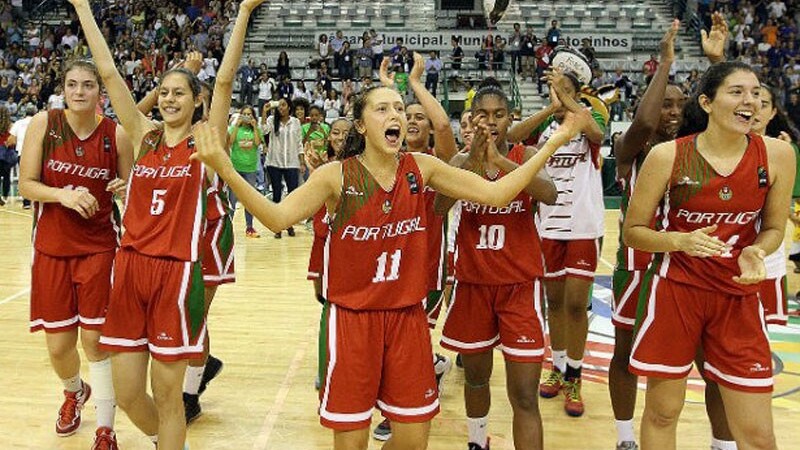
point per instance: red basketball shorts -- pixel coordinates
(576, 258)
(774, 300)
(481, 317)
(679, 318)
(627, 285)
(157, 304)
(218, 265)
(381, 358)
(70, 292)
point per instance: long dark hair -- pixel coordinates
(276, 115)
(195, 85)
(355, 143)
(695, 119)
(489, 87)
(779, 123)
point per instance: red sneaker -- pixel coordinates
(105, 439)
(69, 416)
(573, 402)
(551, 386)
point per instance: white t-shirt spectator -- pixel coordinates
(181, 18)
(266, 88)
(18, 130)
(55, 102)
(777, 9)
(210, 66)
(69, 40)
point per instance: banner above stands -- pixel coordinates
(603, 41)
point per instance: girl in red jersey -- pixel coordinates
(157, 305)
(725, 208)
(375, 327)
(497, 295)
(73, 162)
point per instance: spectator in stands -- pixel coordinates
(649, 67)
(514, 46)
(769, 33)
(56, 99)
(247, 79)
(324, 77)
(69, 39)
(553, 34)
(345, 62)
(302, 108)
(432, 68)
(7, 158)
(319, 95)
(543, 54)
(284, 150)
(332, 106)
(793, 108)
(266, 89)
(17, 137)
(498, 53)
(285, 90)
(365, 56)
(377, 48)
(398, 44)
(323, 48)
(301, 92)
(244, 140)
(776, 9)
(336, 47)
(589, 52)
(282, 68)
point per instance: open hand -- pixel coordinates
(387, 79)
(751, 265)
(700, 243)
(714, 41)
(209, 147)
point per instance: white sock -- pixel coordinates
(574, 363)
(625, 431)
(73, 384)
(100, 374)
(719, 444)
(191, 382)
(477, 429)
(560, 360)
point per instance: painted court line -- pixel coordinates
(16, 213)
(280, 399)
(17, 295)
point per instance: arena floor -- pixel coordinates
(265, 329)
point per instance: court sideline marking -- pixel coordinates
(280, 399)
(17, 295)
(16, 213)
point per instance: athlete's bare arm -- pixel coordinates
(521, 131)
(30, 177)
(135, 123)
(323, 186)
(119, 185)
(442, 131)
(223, 85)
(714, 41)
(462, 184)
(781, 159)
(648, 115)
(653, 182)
(591, 128)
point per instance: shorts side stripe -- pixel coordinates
(59, 324)
(521, 352)
(471, 345)
(411, 412)
(92, 321)
(739, 381)
(120, 342)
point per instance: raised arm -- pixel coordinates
(524, 129)
(193, 62)
(714, 41)
(648, 114)
(323, 185)
(591, 128)
(223, 85)
(442, 131)
(135, 123)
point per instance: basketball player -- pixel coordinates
(73, 162)
(218, 255)
(157, 305)
(497, 294)
(570, 231)
(378, 343)
(429, 132)
(725, 208)
(771, 121)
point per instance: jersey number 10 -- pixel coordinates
(493, 237)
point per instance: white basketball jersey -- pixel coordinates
(775, 264)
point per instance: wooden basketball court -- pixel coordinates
(265, 330)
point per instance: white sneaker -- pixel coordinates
(441, 367)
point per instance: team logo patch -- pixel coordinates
(387, 207)
(79, 151)
(763, 180)
(167, 156)
(725, 193)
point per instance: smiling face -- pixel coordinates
(338, 135)
(419, 128)
(671, 112)
(176, 101)
(736, 102)
(81, 90)
(466, 128)
(383, 122)
(494, 112)
(765, 115)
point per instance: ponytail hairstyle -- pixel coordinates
(355, 143)
(695, 119)
(779, 123)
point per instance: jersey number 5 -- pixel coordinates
(157, 205)
(394, 270)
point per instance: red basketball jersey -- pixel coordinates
(499, 245)
(165, 213)
(217, 199)
(87, 164)
(377, 248)
(698, 197)
(436, 248)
